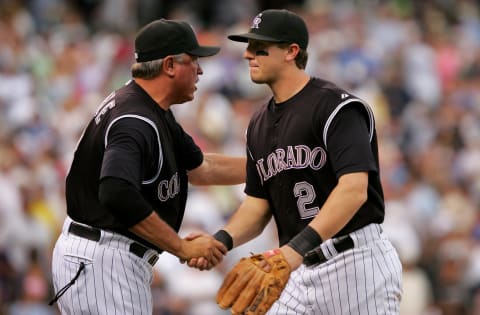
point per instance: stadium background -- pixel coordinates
(416, 62)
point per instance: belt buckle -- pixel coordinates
(141, 251)
(153, 260)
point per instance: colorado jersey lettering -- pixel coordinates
(294, 157)
(286, 141)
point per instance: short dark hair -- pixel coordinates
(301, 58)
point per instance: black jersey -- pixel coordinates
(154, 158)
(298, 149)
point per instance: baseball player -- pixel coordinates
(312, 165)
(127, 186)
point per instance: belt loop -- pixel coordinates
(332, 252)
(354, 238)
(66, 224)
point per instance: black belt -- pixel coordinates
(316, 255)
(94, 234)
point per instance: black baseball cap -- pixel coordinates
(278, 26)
(161, 38)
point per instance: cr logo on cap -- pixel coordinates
(257, 20)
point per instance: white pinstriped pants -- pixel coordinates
(114, 280)
(365, 280)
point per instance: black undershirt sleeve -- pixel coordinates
(123, 200)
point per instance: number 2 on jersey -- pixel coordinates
(306, 195)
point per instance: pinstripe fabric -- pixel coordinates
(114, 280)
(365, 280)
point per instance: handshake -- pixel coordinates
(253, 284)
(203, 251)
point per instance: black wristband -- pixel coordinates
(306, 240)
(225, 238)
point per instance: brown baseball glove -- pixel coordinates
(254, 283)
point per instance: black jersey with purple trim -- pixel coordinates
(130, 137)
(297, 150)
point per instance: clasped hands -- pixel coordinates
(202, 251)
(211, 252)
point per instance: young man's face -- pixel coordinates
(265, 59)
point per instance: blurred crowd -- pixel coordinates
(417, 63)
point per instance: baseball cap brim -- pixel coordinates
(203, 51)
(245, 37)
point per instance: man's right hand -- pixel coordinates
(204, 246)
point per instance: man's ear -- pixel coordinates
(292, 52)
(168, 66)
